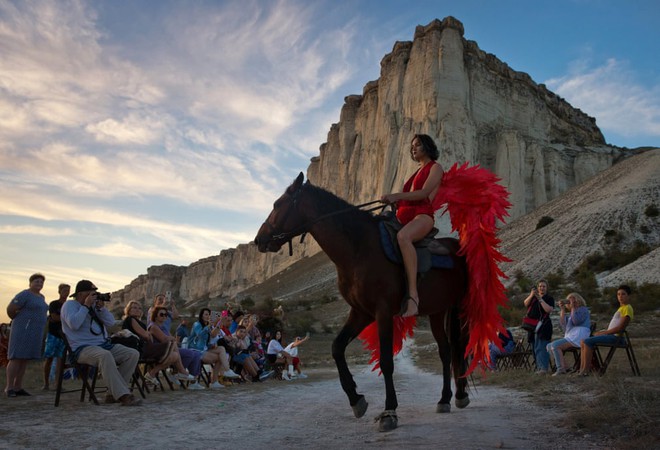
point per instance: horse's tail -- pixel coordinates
(475, 202)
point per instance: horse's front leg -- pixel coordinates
(387, 420)
(351, 329)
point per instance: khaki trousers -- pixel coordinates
(117, 366)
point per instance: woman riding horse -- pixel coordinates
(458, 301)
(415, 212)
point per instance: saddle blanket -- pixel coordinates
(425, 259)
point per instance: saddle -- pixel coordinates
(431, 252)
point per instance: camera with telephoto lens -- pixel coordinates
(103, 297)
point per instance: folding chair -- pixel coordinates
(575, 351)
(84, 372)
(626, 344)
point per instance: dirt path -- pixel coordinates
(293, 415)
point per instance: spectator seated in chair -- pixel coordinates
(190, 359)
(162, 354)
(507, 345)
(204, 338)
(243, 356)
(276, 354)
(84, 323)
(614, 333)
(576, 326)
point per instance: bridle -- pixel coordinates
(303, 229)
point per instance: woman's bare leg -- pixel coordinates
(412, 232)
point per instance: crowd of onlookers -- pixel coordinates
(229, 342)
(220, 348)
(574, 321)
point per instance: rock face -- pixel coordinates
(612, 205)
(475, 107)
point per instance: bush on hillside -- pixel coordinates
(543, 221)
(651, 211)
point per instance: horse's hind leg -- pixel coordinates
(444, 350)
(351, 329)
(459, 342)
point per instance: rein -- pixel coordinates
(302, 229)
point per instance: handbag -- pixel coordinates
(532, 324)
(529, 324)
(127, 339)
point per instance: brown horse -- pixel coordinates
(374, 288)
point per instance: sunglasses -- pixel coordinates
(162, 315)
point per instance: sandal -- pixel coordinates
(404, 307)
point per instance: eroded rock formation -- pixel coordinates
(477, 109)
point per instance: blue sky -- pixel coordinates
(139, 133)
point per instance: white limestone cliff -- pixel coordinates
(475, 107)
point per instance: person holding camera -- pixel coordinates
(84, 322)
(164, 301)
(576, 326)
(204, 339)
(541, 303)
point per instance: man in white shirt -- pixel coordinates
(84, 322)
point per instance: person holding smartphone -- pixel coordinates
(544, 303)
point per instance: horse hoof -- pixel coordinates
(443, 407)
(462, 402)
(387, 420)
(360, 408)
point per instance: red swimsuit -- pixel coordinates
(407, 210)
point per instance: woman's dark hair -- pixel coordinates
(155, 311)
(201, 313)
(281, 336)
(626, 288)
(428, 145)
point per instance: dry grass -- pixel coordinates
(618, 405)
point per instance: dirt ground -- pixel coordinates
(295, 415)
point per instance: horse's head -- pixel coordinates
(284, 221)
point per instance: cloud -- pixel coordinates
(133, 129)
(612, 93)
(35, 230)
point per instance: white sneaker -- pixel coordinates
(285, 376)
(216, 385)
(185, 377)
(302, 375)
(293, 375)
(195, 387)
(151, 379)
(230, 374)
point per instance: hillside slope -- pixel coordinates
(583, 218)
(610, 206)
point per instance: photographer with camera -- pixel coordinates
(542, 303)
(165, 301)
(576, 325)
(84, 322)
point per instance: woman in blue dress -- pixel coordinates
(28, 311)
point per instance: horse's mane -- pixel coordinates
(352, 221)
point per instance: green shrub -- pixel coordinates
(300, 325)
(651, 211)
(247, 304)
(543, 221)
